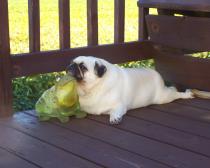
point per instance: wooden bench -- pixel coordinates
(189, 34)
(175, 36)
(174, 135)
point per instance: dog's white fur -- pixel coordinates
(122, 89)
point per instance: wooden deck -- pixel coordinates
(171, 135)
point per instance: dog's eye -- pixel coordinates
(83, 67)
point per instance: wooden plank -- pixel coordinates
(138, 144)
(64, 24)
(34, 25)
(185, 71)
(92, 22)
(84, 146)
(188, 32)
(141, 145)
(185, 111)
(119, 21)
(179, 123)
(5, 63)
(51, 61)
(183, 12)
(143, 33)
(36, 151)
(199, 103)
(161, 133)
(9, 160)
(193, 5)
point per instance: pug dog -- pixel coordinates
(104, 88)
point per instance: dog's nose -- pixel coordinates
(73, 70)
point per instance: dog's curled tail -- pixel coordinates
(201, 94)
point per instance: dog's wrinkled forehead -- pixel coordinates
(86, 60)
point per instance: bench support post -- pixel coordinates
(5, 63)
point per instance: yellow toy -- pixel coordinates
(60, 101)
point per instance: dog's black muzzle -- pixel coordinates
(74, 70)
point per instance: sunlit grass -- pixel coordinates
(18, 15)
(18, 19)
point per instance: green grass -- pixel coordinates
(18, 15)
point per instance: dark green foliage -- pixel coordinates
(27, 90)
(138, 64)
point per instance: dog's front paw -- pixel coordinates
(115, 120)
(117, 114)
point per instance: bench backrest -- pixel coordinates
(37, 61)
(191, 32)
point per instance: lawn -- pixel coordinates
(18, 15)
(26, 90)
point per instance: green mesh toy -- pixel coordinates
(60, 101)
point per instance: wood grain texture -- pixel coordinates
(5, 63)
(143, 32)
(192, 5)
(92, 22)
(158, 136)
(180, 123)
(64, 24)
(172, 12)
(199, 103)
(36, 151)
(184, 71)
(188, 32)
(192, 113)
(52, 61)
(119, 21)
(129, 131)
(34, 25)
(95, 151)
(166, 135)
(139, 144)
(11, 160)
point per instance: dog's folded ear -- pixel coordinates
(100, 69)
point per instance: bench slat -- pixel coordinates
(184, 71)
(192, 5)
(52, 61)
(5, 62)
(92, 22)
(143, 33)
(190, 33)
(34, 25)
(119, 21)
(64, 24)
